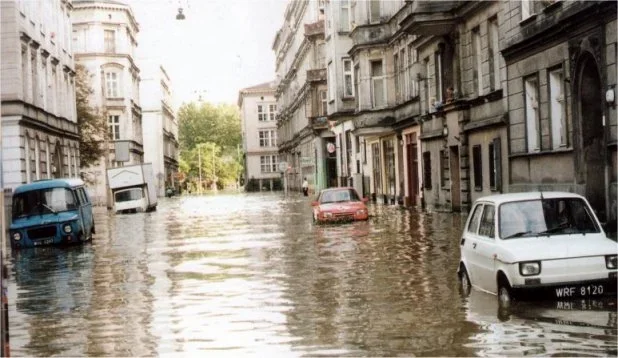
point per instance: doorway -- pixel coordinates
(412, 156)
(455, 183)
(592, 139)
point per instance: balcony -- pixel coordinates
(316, 75)
(431, 18)
(315, 29)
(364, 35)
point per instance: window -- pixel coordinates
(374, 10)
(269, 163)
(272, 109)
(401, 74)
(110, 41)
(525, 9)
(348, 89)
(438, 78)
(477, 73)
(27, 158)
(413, 83)
(356, 89)
(111, 84)
(37, 158)
(532, 117)
(114, 127)
(345, 17)
(444, 170)
(427, 170)
(557, 109)
(331, 82)
(397, 89)
(494, 54)
(477, 163)
(24, 71)
(268, 138)
(378, 84)
(476, 218)
(487, 226)
(261, 113)
(33, 71)
(323, 103)
(348, 150)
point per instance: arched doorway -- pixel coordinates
(592, 148)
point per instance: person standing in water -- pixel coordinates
(305, 187)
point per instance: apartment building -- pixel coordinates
(39, 120)
(561, 75)
(258, 112)
(437, 103)
(305, 142)
(159, 124)
(105, 39)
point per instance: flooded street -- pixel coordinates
(249, 274)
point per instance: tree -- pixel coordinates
(212, 133)
(91, 124)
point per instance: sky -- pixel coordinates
(221, 47)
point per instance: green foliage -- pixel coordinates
(209, 139)
(92, 127)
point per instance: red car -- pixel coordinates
(339, 204)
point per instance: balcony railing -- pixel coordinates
(431, 17)
(314, 29)
(318, 122)
(316, 75)
(371, 34)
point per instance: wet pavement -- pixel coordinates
(249, 274)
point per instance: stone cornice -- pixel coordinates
(108, 6)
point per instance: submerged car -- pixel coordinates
(339, 204)
(51, 212)
(537, 244)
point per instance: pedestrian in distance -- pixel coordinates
(305, 187)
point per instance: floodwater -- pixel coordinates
(249, 274)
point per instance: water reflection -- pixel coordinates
(553, 328)
(249, 274)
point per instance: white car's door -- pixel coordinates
(470, 242)
(486, 249)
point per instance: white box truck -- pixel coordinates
(133, 188)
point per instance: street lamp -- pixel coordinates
(180, 15)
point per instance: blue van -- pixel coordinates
(51, 212)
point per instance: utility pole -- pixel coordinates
(199, 160)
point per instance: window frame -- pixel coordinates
(477, 59)
(492, 233)
(374, 79)
(109, 43)
(557, 124)
(493, 42)
(532, 124)
(112, 84)
(113, 126)
(427, 185)
(348, 74)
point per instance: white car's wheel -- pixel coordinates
(464, 280)
(504, 295)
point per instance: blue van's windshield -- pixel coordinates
(43, 201)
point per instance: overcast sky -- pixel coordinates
(221, 47)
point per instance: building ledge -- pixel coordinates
(431, 18)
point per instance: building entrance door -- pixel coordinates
(412, 158)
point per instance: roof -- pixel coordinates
(49, 183)
(532, 195)
(266, 87)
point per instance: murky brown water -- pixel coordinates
(250, 275)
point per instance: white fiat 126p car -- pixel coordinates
(536, 244)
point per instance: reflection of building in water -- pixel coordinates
(121, 306)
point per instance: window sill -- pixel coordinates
(528, 20)
(347, 99)
(343, 32)
(331, 101)
(540, 153)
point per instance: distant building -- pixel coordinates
(302, 97)
(159, 124)
(105, 39)
(258, 110)
(39, 120)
